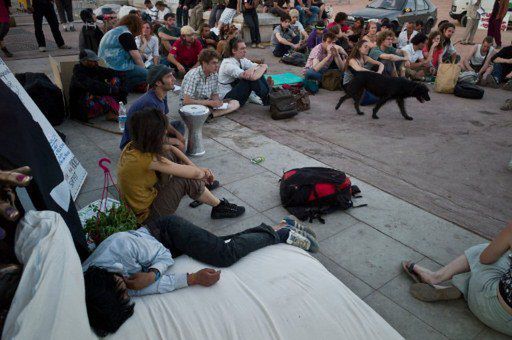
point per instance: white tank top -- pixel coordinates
(478, 58)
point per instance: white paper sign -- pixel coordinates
(74, 172)
(483, 24)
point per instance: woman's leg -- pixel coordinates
(212, 18)
(457, 266)
(256, 27)
(208, 198)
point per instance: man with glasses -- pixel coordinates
(201, 86)
(184, 51)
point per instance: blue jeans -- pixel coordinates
(497, 72)
(305, 20)
(182, 237)
(135, 76)
(314, 75)
(243, 89)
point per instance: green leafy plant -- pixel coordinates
(117, 218)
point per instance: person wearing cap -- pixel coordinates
(120, 52)
(168, 34)
(283, 38)
(316, 35)
(184, 52)
(201, 85)
(160, 80)
(162, 11)
(94, 90)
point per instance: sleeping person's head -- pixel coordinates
(107, 301)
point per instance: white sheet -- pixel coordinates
(279, 292)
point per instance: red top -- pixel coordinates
(4, 12)
(435, 55)
(344, 28)
(186, 55)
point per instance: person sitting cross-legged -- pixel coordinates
(324, 56)
(419, 66)
(390, 56)
(479, 60)
(184, 52)
(168, 34)
(239, 77)
(201, 85)
(137, 262)
(207, 38)
(147, 43)
(283, 38)
(160, 81)
(501, 69)
(153, 176)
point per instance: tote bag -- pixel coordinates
(447, 77)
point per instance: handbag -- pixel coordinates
(331, 80)
(283, 104)
(447, 77)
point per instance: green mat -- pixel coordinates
(285, 78)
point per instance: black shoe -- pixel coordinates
(226, 210)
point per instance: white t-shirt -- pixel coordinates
(151, 49)
(414, 56)
(161, 14)
(402, 38)
(230, 70)
(152, 12)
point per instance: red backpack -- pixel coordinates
(313, 191)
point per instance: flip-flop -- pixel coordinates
(408, 267)
(431, 293)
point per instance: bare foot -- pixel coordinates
(270, 82)
(425, 275)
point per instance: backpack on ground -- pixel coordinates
(467, 90)
(47, 96)
(294, 58)
(314, 191)
(468, 77)
(331, 80)
(283, 104)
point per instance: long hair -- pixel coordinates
(355, 53)
(148, 128)
(133, 22)
(107, 306)
(230, 46)
(445, 41)
(431, 38)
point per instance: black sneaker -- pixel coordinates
(226, 210)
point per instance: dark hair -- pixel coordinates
(419, 38)
(328, 35)
(384, 21)
(419, 23)
(285, 17)
(87, 15)
(488, 39)
(169, 15)
(206, 55)
(361, 21)
(133, 22)
(355, 54)
(441, 23)
(107, 307)
(445, 41)
(202, 27)
(353, 38)
(147, 129)
(147, 2)
(232, 45)
(431, 38)
(387, 25)
(340, 16)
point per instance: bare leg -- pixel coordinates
(457, 266)
(233, 105)
(208, 198)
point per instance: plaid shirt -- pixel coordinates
(198, 86)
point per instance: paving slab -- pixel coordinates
(360, 249)
(243, 224)
(451, 318)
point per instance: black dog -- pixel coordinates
(385, 88)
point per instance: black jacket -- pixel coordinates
(90, 81)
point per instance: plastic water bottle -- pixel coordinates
(122, 116)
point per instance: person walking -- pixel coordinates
(44, 9)
(499, 11)
(65, 10)
(4, 25)
(472, 24)
(251, 20)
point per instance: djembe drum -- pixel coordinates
(194, 117)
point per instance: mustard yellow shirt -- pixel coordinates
(136, 181)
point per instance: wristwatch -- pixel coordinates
(157, 273)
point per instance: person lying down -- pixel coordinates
(135, 263)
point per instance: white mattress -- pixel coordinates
(279, 292)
